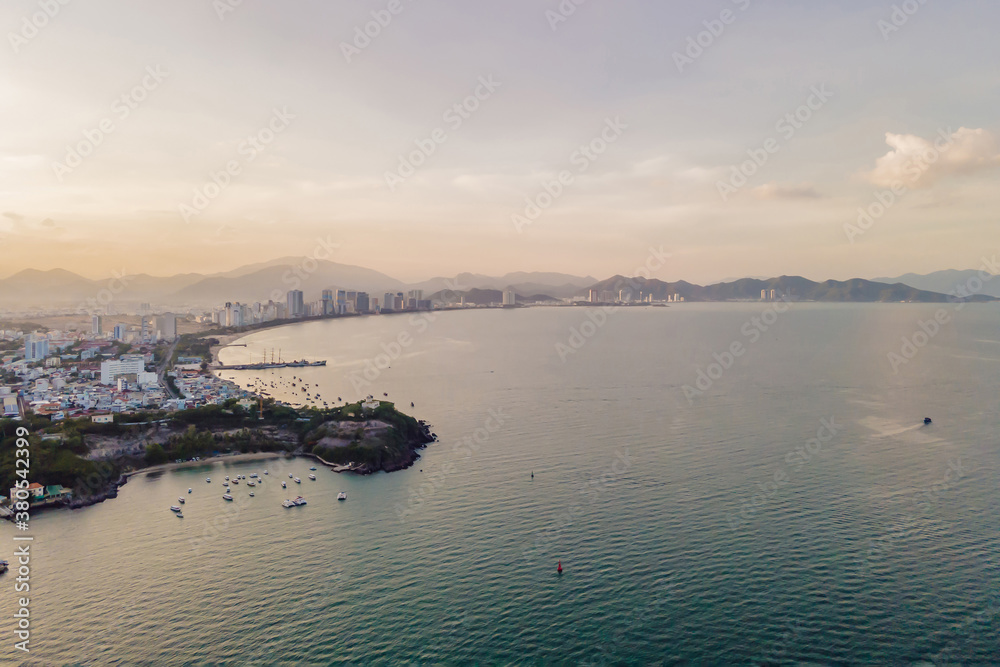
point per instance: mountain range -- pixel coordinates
(273, 279)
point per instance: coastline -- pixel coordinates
(164, 467)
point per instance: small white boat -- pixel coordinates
(236, 481)
(312, 477)
(227, 478)
(341, 496)
(208, 479)
(251, 483)
(287, 503)
(297, 480)
(227, 497)
(190, 490)
(284, 486)
(265, 472)
(252, 475)
(175, 508)
(251, 494)
(179, 515)
(180, 500)
(299, 500)
(290, 475)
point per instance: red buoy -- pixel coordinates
(559, 568)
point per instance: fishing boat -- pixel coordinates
(251, 483)
(312, 467)
(175, 508)
(179, 515)
(180, 500)
(297, 480)
(208, 479)
(312, 477)
(299, 500)
(251, 494)
(341, 496)
(190, 490)
(284, 486)
(226, 496)
(4, 565)
(290, 475)
(236, 481)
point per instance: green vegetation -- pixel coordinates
(59, 449)
(194, 345)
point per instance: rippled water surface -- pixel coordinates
(714, 527)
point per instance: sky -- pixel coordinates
(741, 137)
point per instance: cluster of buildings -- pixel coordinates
(152, 329)
(627, 295)
(332, 302)
(69, 375)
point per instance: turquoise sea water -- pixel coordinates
(878, 544)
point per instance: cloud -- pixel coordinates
(915, 162)
(785, 191)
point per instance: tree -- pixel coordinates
(155, 454)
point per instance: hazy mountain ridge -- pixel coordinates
(796, 287)
(948, 281)
(272, 280)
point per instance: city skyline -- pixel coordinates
(306, 128)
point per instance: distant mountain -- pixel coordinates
(555, 284)
(946, 281)
(275, 280)
(484, 297)
(800, 289)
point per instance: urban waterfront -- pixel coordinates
(785, 504)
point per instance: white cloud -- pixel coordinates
(916, 162)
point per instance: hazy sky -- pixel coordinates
(198, 80)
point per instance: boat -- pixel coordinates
(252, 475)
(312, 477)
(175, 508)
(284, 486)
(208, 479)
(927, 420)
(179, 515)
(290, 475)
(227, 497)
(251, 483)
(180, 500)
(299, 500)
(341, 496)
(287, 503)
(312, 467)
(265, 472)
(227, 478)
(189, 490)
(251, 494)
(297, 480)
(4, 565)
(236, 481)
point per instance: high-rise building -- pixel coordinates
(120, 332)
(166, 324)
(296, 305)
(509, 298)
(361, 303)
(388, 301)
(329, 305)
(36, 347)
(594, 296)
(774, 295)
(129, 364)
(97, 325)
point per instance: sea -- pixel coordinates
(730, 483)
